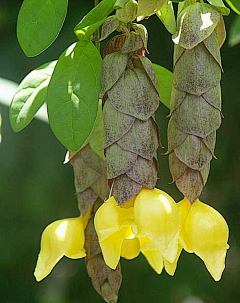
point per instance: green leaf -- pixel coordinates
(219, 6)
(39, 23)
(234, 32)
(73, 94)
(234, 5)
(166, 15)
(94, 19)
(30, 96)
(120, 4)
(165, 80)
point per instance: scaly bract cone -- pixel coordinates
(196, 96)
(130, 94)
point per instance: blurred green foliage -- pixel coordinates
(36, 188)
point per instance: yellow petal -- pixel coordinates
(154, 258)
(111, 248)
(207, 232)
(184, 207)
(110, 218)
(130, 248)
(62, 237)
(113, 224)
(171, 267)
(157, 217)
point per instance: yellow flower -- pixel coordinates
(149, 225)
(61, 238)
(157, 217)
(204, 231)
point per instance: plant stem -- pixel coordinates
(97, 32)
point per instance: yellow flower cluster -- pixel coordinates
(159, 228)
(151, 223)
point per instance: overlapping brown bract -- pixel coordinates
(196, 97)
(90, 178)
(91, 190)
(130, 93)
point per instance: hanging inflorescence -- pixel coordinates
(116, 168)
(196, 96)
(130, 94)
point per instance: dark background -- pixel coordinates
(37, 189)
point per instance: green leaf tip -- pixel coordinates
(220, 7)
(165, 80)
(30, 96)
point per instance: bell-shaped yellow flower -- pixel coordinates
(204, 231)
(126, 231)
(60, 238)
(113, 224)
(157, 217)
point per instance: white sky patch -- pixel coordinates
(8, 89)
(176, 39)
(70, 50)
(206, 21)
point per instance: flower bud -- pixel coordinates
(62, 237)
(128, 13)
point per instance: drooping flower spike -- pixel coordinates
(61, 238)
(149, 225)
(131, 98)
(204, 231)
(196, 96)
